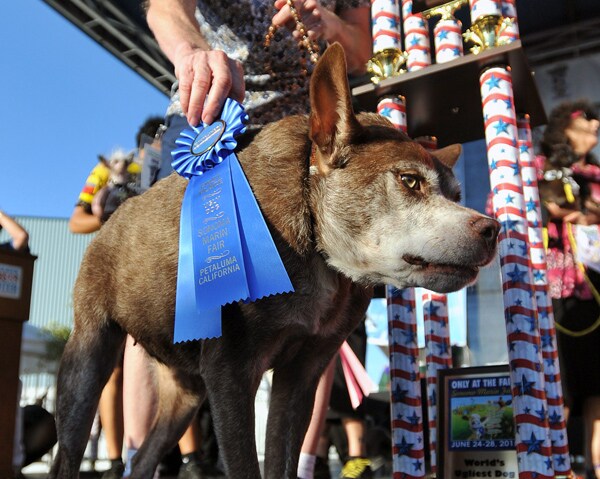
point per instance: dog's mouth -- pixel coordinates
(442, 268)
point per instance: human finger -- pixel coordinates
(224, 73)
(193, 105)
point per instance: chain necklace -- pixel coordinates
(312, 48)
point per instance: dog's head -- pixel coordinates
(385, 208)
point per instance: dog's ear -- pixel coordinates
(102, 159)
(448, 155)
(332, 120)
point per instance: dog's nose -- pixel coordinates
(487, 228)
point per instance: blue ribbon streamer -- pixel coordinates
(226, 252)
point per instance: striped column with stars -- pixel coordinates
(385, 20)
(511, 32)
(439, 356)
(484, 8)
(447, 37)
(537, 254)
(534, 451)
(407, 8)
(408, 449)
(416, 42)
(393, 107)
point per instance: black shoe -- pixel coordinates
(357, 468)
(321, 469)
(115, 472)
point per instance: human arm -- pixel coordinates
(203, 74)
(351, 28)
(82, 222)
(18, 234)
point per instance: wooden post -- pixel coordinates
(16, 273)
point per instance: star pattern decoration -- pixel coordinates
(443, 35)
(517, 275)
(433, 398)
(414, 41)
(443, 347)
(493, 81)
(530, 205)
(501, 126)
(525, 386)
(524, 148)
(554, 418)
(417, 465)
(409, 336)
(548, 463)
(533, 444)
(561, 460)
(414, 419)
(510, 199)
(393, 23)
(538, 276)
(509, 104)
(399, 394)
(546, 340)
(541, 413)
(433, 309)
(404, 447)
(509, 225)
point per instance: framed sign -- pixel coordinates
(476, 432)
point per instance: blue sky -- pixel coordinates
(65, 100)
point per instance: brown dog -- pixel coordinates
(350, 201)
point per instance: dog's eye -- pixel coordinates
(411, 181)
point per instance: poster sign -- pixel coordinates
(476, 432)
(11, 278)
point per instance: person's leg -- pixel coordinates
(355, 433)
(308, 453)
(189, 446)
(140, 397)
(110, 409)
(591, 419)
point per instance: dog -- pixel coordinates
(351, 202)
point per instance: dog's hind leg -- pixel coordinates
(88, 360)
(180, 396)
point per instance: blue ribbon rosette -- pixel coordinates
(226, 252)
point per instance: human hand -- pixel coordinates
(313, 15)
(579, 218)
(206, 79)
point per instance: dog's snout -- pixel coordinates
(487, 228)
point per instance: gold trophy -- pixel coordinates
(389, 62)
(485, 32)
(445, 11)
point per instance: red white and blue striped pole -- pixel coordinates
(533, 446)
(385, 21)
(439, 356)
(510, 33)
(554, 396)
(408, 449)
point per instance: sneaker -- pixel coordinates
(190, 470)
(357, 468)
(321, 469)
(115, 472)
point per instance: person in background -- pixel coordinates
(567, 143)
(19, 238)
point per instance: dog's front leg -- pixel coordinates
(231, 384)
(291, 405)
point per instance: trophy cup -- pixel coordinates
(388, 59)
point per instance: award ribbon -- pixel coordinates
(226, 252)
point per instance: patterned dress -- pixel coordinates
(275, 84)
